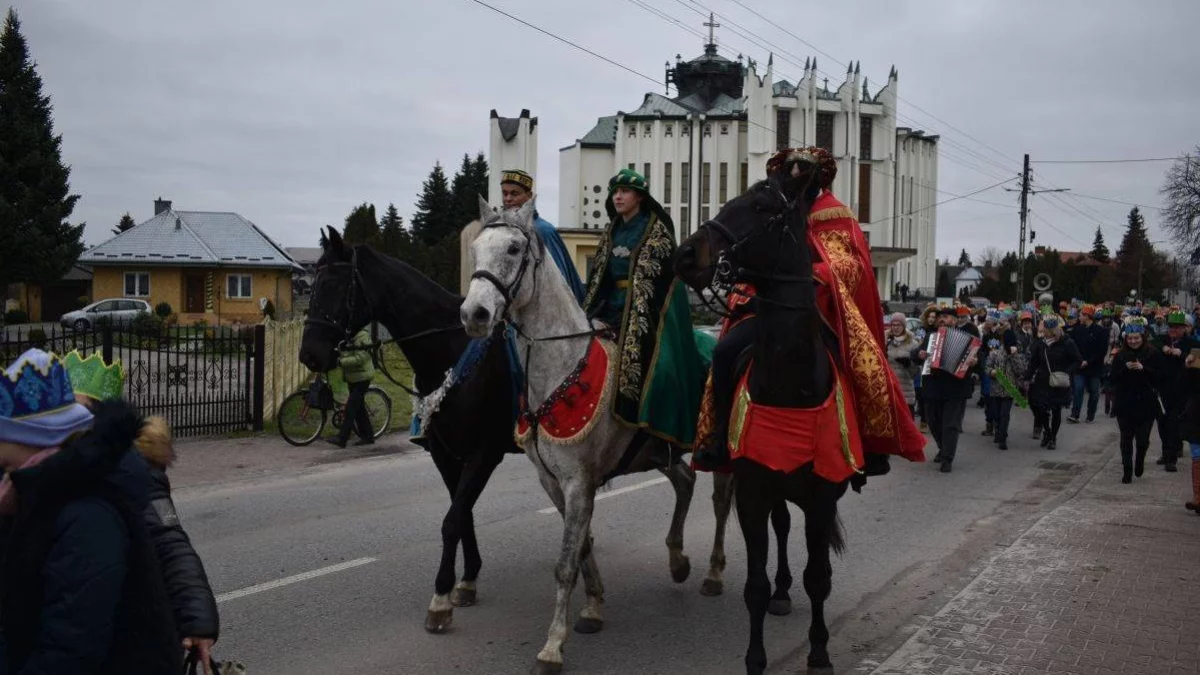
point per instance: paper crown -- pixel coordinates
(517, 177)
(1134, 325)
(91, 377)
(1050, 321)
(1177, 319)
(28, 388)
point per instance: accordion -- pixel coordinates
(949, 350)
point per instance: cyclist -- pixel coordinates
(358, 371)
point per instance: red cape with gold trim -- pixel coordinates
(849, 302)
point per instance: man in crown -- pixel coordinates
(81, 587)
(516, 188)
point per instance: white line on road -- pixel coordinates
(296, 578)
(618, 491)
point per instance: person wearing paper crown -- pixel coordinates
(1053, 353)
(80, 590)
(191, 597)
(516, 188)
(1135, 370)
(1175, 345)
(1092, 341)
(633, 290)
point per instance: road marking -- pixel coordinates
(618, 491)
(295, 578)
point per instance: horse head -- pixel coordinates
(337, 308)
(747, 231)
(507, 253)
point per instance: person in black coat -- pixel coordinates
(1175, 345)
(1092, 341)
(1054, 352)
(1190, 427)
(945, 395)
(80, 588)
(1135, 369)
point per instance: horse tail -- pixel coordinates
(837, 534)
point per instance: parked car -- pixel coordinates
(120, 312)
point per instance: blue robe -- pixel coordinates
(558, 252)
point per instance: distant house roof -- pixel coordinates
(305, 256)
(604, 133)
(196, 238)
(969, 274)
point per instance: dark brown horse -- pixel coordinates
(761, 237)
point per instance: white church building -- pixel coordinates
(705, 145)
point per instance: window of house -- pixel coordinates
(825, 130)
(707, 130)
(706, 183)
(745, 178)
(647, 130)
(137, 284)
(669, 129)
(724, 129)
(783, 128)
(667, 183)
(238, 286)
(723, 185)
(864, 137)
(685, 182)
(632, 130)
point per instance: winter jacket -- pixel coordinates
(81, 592)
(899, 352)
(1013, 366)
(939, 385)
(1134, 395)
(1190, 422)
(356, 363)
(1170, 381)
(191, 596)
(1061, 355)
(1092, 342)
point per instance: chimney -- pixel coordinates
(1039, 251)
(161, 205)
(178, 223)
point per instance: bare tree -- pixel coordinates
(989, 256)
(1181, 190)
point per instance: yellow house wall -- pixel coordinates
(167, 285)
(580, 245)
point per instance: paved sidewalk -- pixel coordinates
(1107, 583)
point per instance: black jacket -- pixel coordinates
(1062, 356)
(1134, 397)
(938, 385)
(82, 592)
(1189, 426)
(1092, 342)
(191, 595)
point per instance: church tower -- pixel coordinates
(513, 146)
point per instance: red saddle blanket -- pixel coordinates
(573, 414)
(785, 439)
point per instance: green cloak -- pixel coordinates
(660, 375)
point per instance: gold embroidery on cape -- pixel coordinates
(737, 422)
(597, 271)
(654, 248)
(866, 360)
(831, 213)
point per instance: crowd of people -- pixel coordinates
(1138, 364)
(99, 575)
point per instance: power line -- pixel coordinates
(1118, 201)
(1107, 161)
(944, 201)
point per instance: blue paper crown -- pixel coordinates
(26, 389)
(1050, 320)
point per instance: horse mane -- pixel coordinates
(414, 279)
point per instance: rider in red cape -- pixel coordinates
(848, 299)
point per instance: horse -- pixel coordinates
(469, 435)
(761, 236)
(512, 283)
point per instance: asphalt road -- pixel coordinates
(368, 532)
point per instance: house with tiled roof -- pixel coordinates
(207, 265)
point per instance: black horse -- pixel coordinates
(473, 428)
(761, 236)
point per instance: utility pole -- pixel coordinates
(1024, 225)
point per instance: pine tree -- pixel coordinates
(466, 204)
(1099, 249)
(433, 220)
(394, 240)
(479, 168)
(125, 224)
(37, 244)
(945, 285)
(1136, 261)
(964, 258)
(361, 226)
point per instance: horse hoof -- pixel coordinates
(585, 626)
(439, 621)
(463, 597)
(681, 573)
(544, 668)
(712, 588)
(780, 606)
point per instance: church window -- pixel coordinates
(646, 173)
(669, 129)
(685, 129)
(633, 131)
(707, 130)
(632, 166)
(706, 183)
(596, 214)
(596, 189)
(723, 187)
(825, 131)
(704, 213)
(684, 220)
(585, 201)
(864, 137)
(724, 129)
(745, 183)
(864, 193)
(667, 183)
(783, 129)
(685, 182)
(647, 130)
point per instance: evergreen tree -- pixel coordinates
(479, 169)
(361, 226)
(1137, 263)
(945, 285)
(433, 220)
(125, 224)
(37, 244)
(394, 240)
(469, 184)
(964, 258)
(1099, 249)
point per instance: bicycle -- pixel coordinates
(303, 415)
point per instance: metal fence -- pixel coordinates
(202, 379)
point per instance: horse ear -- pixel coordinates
(335, 240)
(524, 215)
(324, 240)
(485, 209)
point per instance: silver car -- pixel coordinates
(120, 312)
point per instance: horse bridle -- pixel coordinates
(509, 291)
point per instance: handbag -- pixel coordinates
(1058, 379)
(192, 666)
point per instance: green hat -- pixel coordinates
(1177, 318)
(628, 178)
(92, 378)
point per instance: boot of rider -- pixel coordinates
(1194, 505)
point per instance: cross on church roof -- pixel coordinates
(711, 24)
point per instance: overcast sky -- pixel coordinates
(290, 113)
